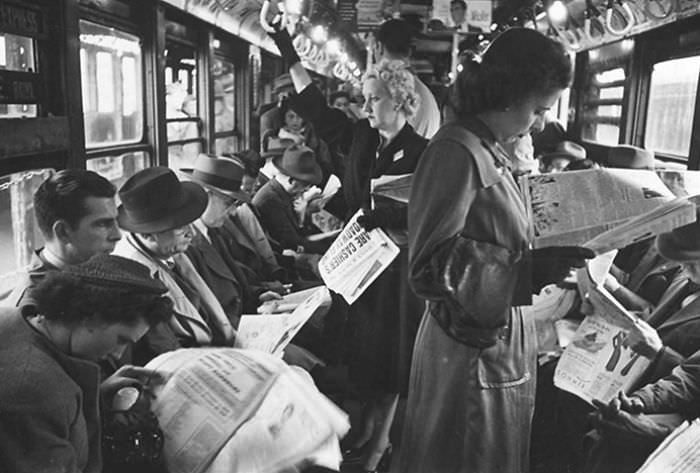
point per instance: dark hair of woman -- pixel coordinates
(68, 299)
(519, 64)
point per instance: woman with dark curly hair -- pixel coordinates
(50, 391)
(472, 388)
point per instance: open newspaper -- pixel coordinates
(241, 411)
(355, 259)
(271, 333)
(602, 209)
(597, 364)
(678, 453)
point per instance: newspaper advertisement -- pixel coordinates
(573, 208)
(597, 363)
(678, 453)
(271, 333)
(355, 259)
(242, 411)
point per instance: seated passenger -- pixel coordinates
(77, 216)
(565, 153)
(158, 210)
(297, 172)
(50, 390)
(212, 256)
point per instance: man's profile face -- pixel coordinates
(97, 232)
(458, 13)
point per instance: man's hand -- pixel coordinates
(644, 339)
(269, 296)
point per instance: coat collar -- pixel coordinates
(398, 142)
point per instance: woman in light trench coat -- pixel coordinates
(472, 386)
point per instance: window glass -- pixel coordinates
(672, 95)
(19, 234)
(17, 53)
(224, 105)
(184, 125)
(602, 119)
(112, 85)
(117, 169)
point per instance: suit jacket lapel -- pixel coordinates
(686, 314)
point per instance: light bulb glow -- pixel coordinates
(319, 34)
(333, 46)
(557, 12)
(293, 6)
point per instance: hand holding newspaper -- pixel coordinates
(602, 209)
(355, 259)
(271, 333)
(241, 411)
(597, 364)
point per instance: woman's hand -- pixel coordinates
(127, 375)
(553, 263)
(269, 296)
(643, 339)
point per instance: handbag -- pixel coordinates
(132, 439)
(477, 281)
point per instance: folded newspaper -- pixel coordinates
(271, 333)
(678, 453)
(549, 306)
(355, 259)
(602, 209)
(242, 411)
(597, 364)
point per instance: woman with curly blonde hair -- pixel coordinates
(383, 322)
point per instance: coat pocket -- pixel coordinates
(511, 360)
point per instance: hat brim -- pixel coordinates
(193, 205)
(667, 248)
(240, 195)
(549, 157)
(314, 178)
(273, 153)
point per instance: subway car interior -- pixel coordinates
(179, 93)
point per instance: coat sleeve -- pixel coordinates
(35, 429)
(274, 218)
(677, 393)
(444, 187)
(330, 124)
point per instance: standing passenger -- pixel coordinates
(472, 387)
(384, 319)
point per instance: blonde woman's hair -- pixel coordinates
(399, 81)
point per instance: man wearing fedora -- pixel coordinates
(158, 210)
(77, 216)
(213, 255)
(297, 171)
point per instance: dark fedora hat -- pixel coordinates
(565, 150)
(223, 174)
(630, 157)
(299, 162)
(276, 147)
(681, 244)
(154, 200)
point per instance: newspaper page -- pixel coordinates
(355, 259)
(597, 363)
(550, 305)
(242, 411)
(572, 208)
(681, 182)
(271, 333)
(678, 453)
(204, 402)
(396, 187)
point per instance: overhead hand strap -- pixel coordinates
(623, 10)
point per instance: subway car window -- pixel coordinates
(112, 85)
(117, 169)
(672, 95)
(605, 81)
(19, 235)
(223, 75)
(17, 53)
(181, 105)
